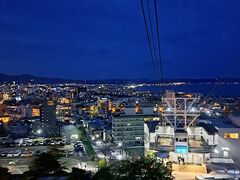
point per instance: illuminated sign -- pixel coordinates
(4, 119)
(181, 149)
(50, 103)
(230, 135)
(64, 101)
(35, 112)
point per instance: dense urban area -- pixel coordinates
(90, 127)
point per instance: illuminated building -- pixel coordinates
(231, 135)
(26, 111)
(6, 96)
(102, 103)
(35, 112)
(128, 128)
(64, 100)
(48, 116)
(178, 134)
(5, 119)
(63, 112)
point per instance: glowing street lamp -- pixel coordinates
(216, 151)
(39, 131)
(120, 144)
(119, 157)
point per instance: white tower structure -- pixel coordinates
(178, 133)
(180, 110)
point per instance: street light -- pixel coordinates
(120, 144)
(119, 157)
(99, 143)
(168, 109)
(216, 151)
(193, 109)
(39, 131)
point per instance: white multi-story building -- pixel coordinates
(178, 134)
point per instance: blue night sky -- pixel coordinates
(101, 39)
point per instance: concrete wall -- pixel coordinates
(164, 131)
(200, 132)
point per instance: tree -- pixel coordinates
(4, 174)
(44, 164)
(79, 174)
(102, 163)
(103, 173)
(56, 152)
(146, 168)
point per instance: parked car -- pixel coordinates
(41, 143)
(29, 143)
(3, 154)
(52, 143)
(10, 154)
(24, 144)
(17, 153)
(12, 162)
(35, 143)
(12, 145)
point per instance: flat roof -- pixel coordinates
(223, 123)
(214, 176)
(221, 161)
(211, 130)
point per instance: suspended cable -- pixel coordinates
(158, 44)
(153, 41)
(149, 42)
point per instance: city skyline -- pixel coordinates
(106, 40)
(119, 89)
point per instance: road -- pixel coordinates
(233, 149)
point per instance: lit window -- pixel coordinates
(230, 136)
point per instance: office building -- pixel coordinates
(128, 128)
(48, 117)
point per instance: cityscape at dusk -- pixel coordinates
(117, 89)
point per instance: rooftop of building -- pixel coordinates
(211, 130)
(223, 123)
(218, 122)
(139, 111)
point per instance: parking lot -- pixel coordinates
(18, 158)
(26, 147)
